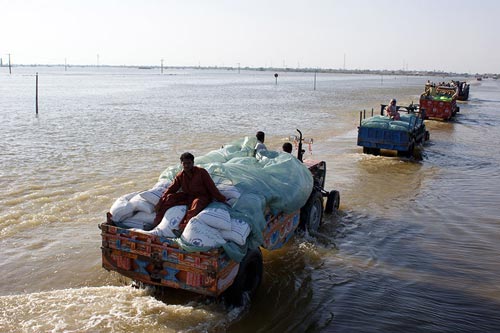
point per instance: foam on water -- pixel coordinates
(107, 309)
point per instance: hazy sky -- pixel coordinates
(448, 35)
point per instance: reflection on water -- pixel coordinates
(413, 247)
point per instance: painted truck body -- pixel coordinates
(158, 261)
(372, 139)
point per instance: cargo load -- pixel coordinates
(272, 194)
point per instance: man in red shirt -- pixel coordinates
(197, 190)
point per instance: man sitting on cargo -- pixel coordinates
(287, 147)
(260, 142)
(197, 191)
(392, 110)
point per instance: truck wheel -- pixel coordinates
(247, 280)
(366, 150)
(312, 212)
(332, 202)
(407, 153)
(411, 149)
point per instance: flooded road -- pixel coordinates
(414, 247)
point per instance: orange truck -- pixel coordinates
(439, 102)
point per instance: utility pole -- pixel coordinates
(315, 80)
(238, 68)
(36, 94)
(344, 61)
(10, 69)
(162, 66)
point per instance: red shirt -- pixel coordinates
(198, 184)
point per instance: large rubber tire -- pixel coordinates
(407, 153)
(371, 151)
(410, 151)
(311, 214)
(332, 202)
(247, 280)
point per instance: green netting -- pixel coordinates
(400, 123)
(396, 127)
(383, 122)
(406, 117)
(375, 119)
(442, 98)
(272, 180)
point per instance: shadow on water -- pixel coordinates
(316, 289)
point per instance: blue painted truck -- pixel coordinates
(380, 132)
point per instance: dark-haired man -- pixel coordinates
(197, 191)
(260, 142)
(287, 147)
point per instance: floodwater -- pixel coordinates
(414, 247)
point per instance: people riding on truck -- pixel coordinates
(287, 147)
(198, 190)
(392, 110)
(260, 141)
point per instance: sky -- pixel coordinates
(453, 36)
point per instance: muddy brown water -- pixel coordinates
(414, 247)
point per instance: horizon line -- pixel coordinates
(261, 68)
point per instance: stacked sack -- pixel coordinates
(136, 210)
(211, 228)
(275, 182)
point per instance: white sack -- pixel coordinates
(199, 234)
(217, 218)
(154, 194)
(230, 192)
(173, 217)
(157, 232)
(170, 221)
(141, 204)
(238, 233)
(162, 183)
(140, 218)
(122, 208)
